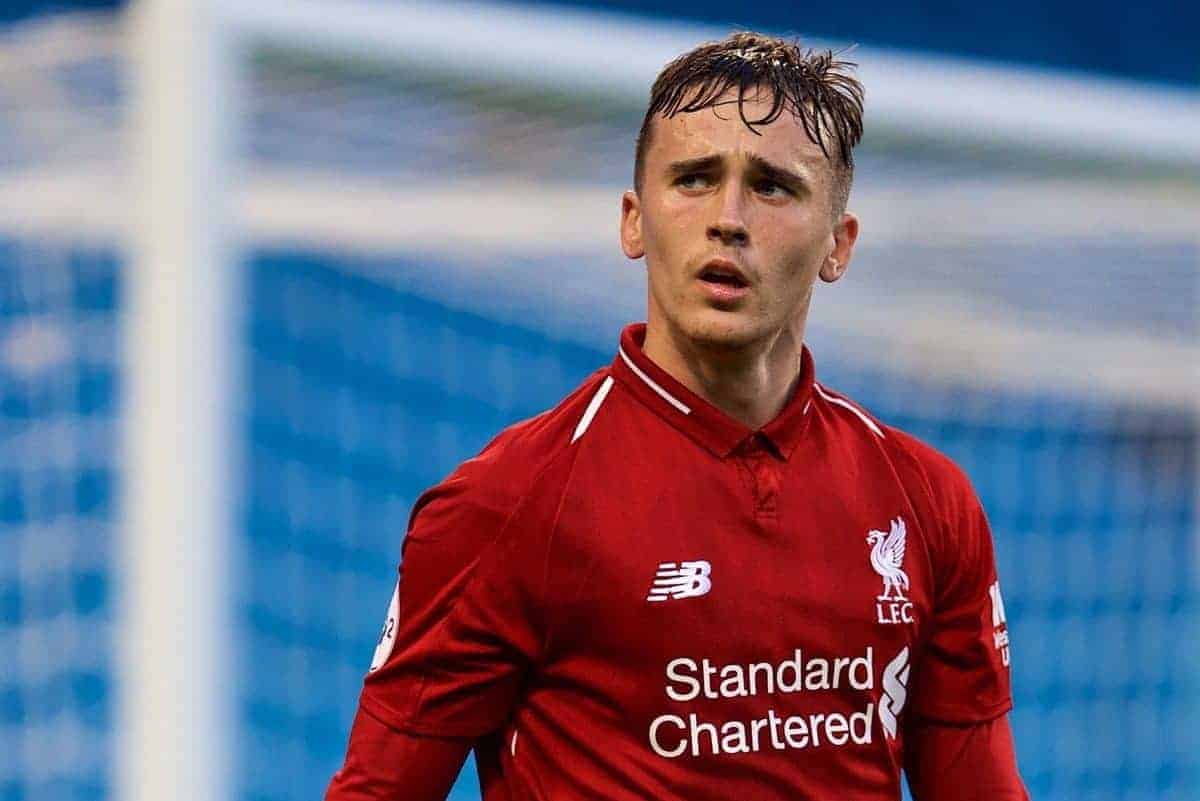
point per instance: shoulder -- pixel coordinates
(478, 539)
(958, 535)
(948, 484)
(529, 458)
(927, 474)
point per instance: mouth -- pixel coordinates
(724, 285)
(723, 273)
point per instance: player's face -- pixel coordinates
(735, 226)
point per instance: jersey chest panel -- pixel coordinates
(687, 610)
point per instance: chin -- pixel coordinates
(721, 329)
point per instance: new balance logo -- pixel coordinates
(895, 692)
(685, 580)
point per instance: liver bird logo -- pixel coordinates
(887, 557)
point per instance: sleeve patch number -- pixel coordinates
(999, 624)
(387, 635)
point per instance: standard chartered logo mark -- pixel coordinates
(895, 692)
(685, 580)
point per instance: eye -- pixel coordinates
(771, 189)
(692, 180)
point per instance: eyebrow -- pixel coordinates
(768, 169)
(693, 165)
(777, 173)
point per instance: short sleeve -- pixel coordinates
(462, 628)
(963, 675)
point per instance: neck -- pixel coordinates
(751, 384)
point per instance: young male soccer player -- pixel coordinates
(703, 575)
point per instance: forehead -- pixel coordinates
(720, 129)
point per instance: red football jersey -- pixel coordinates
(634, 596)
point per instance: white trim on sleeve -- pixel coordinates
(592, 408)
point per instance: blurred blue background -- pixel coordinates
(362, 391)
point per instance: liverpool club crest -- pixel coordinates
(887, 558)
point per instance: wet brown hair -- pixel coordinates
(815, 86)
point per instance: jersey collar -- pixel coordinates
(696, 417)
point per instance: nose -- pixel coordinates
(729, 227)
(728, 232)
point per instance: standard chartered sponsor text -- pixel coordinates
(678, 735)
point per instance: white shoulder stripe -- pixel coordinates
(847, 405)
(592, 408)
(668, 397)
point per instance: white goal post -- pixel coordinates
(175, 709)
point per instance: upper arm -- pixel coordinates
(977, 762)
(963, 674)
(385, 764)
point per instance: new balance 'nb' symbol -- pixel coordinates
(685, 580)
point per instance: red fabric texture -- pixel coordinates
(963, 763)
(383, 764)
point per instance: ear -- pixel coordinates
(845, 233)
(631, 225)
